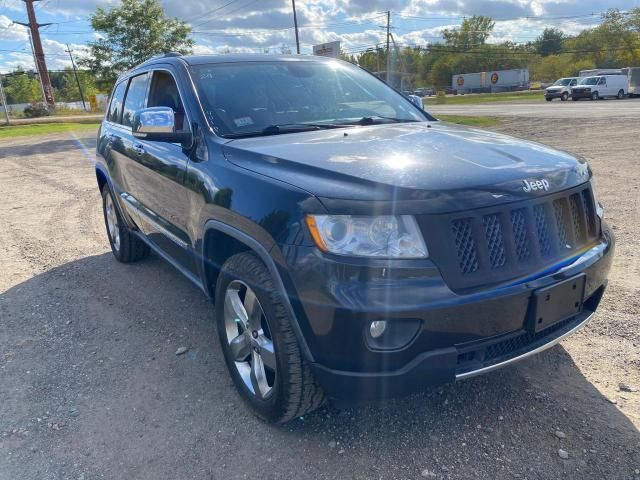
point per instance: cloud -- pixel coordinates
(10, 31)
(258, 25)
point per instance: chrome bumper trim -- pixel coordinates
(535, 351)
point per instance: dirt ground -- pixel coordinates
(91, 388)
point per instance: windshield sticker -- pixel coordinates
(243, 121)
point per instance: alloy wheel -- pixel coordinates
(249, 339)
(112, 222)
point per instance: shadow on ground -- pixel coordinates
(92, 388)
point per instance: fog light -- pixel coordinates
(377, 328)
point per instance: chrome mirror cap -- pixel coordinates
(416, 100)
(154, 120)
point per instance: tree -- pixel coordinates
(550, 42)
(131, 34)
(22, 87)
(473, 32)
(66, 85)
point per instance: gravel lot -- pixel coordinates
(91, 386)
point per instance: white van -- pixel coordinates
(561, 89)
(601, 86)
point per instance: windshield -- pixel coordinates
(563, 82)
(255, 98)
(589, 81)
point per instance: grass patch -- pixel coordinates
(44, 128)
(472, 98)
(470, 121)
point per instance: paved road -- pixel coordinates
(629, 108)
(91, 388)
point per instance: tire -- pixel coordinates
(252, 322)
(126, 247)
(595, 96)
(620, 95)
(548, 99)
(564, 97)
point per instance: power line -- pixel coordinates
(522, 17)
(214, 11)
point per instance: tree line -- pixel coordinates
(614, 43)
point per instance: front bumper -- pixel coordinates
(554, 94)
(581, 93)
(458, 335)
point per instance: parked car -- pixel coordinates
(561, 89)
(354, 246)
(424, 92)
(602, 86)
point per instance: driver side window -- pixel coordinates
(164, 93)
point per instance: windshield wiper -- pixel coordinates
(277, 129)
(378, 119)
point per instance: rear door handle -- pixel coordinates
(139, 149)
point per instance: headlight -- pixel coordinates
(363, 236)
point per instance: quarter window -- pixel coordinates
(115, 108)
(136, 95)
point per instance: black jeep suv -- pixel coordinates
(354, 246)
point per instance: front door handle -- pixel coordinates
(139, 149)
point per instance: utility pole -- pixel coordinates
(295, 23)
(41, 64)
(75, 72)
(35, 62)
(4, 102)
(388, 45)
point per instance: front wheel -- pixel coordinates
(548, 99)
(259, 345)
(595, 96)
(565, 97)
(126, 247)
(620, 95)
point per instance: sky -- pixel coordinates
(220, 26)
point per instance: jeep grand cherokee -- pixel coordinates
(354, 247)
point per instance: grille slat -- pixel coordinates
(495, 241)
(559, 209)
(497, 244)
(542, 227)
(465, 245)
(576, 216)
(520, 237)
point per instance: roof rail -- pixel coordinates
(162, 55)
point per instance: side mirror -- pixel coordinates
(157, 124)
(416, 100)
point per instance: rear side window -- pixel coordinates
(136, 95)
(115, 108)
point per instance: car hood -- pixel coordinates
(423, 167)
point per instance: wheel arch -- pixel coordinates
(101, 177)
(220, 242)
